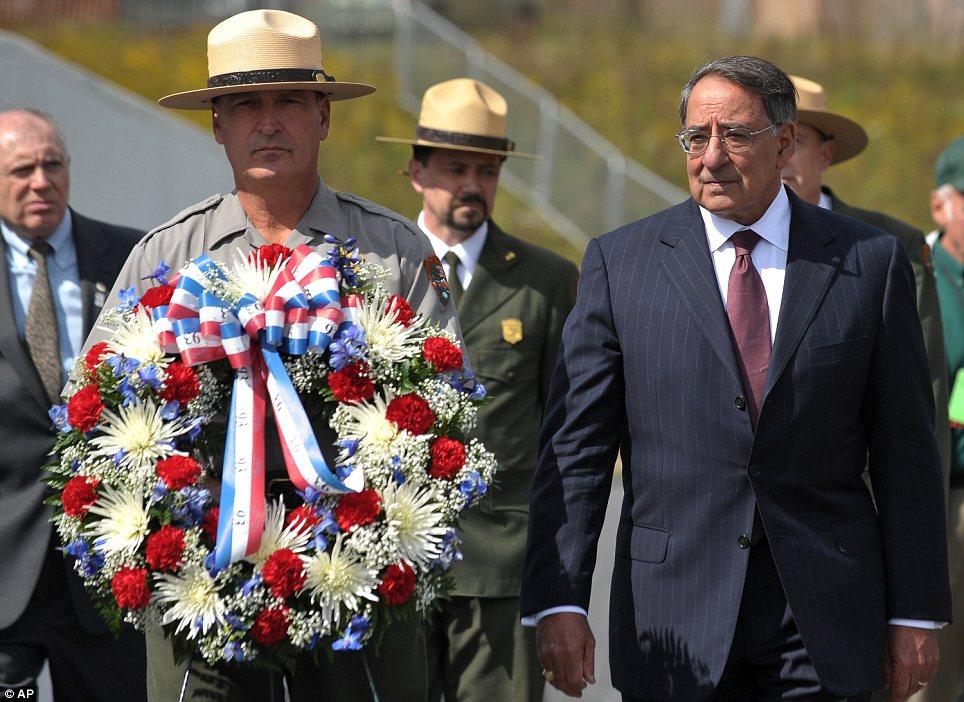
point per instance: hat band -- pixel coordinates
(476, 141)
(277, 75)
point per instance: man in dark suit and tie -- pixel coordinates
(57, 269)
(745, 352)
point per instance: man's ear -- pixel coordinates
(786, 135)
(415, 170)
(216, 123)
(828, 147)
(324, 106)
(941, 209)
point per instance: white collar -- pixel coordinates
(774, 225)
(468, 250)
(825, 202)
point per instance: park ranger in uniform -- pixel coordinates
(512, 300)
(270, 101)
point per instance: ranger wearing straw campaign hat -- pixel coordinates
(512, 300)
(825, 138)
(270, 98)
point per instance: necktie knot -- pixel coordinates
(453, 260)
(744, 241)
(39, 250)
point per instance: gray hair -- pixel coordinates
(756, 75)
(45, 117)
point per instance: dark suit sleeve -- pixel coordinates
(564, 297)
(904, 462)
(580, 438)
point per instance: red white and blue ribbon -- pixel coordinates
(301, 314)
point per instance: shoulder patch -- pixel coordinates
(378, 210)
(188, 212)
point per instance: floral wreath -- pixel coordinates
(184, 381)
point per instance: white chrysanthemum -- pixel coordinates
(253, 277)
(140, 432)
(135, 338)
(277, 536)
(388, 340)
(416, 518)
(123, 524)
(191, 599)
(337, 578)
(367, 423)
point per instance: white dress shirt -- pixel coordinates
(468, 250)
(769, 257)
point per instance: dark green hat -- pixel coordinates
(950, 166)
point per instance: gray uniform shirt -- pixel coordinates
(219, 227)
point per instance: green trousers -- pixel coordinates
(478, 651)
(398, 671)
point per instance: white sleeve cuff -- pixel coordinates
(916, 623)
(534, 619)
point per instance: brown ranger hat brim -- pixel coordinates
(253, 81)
(459, 141)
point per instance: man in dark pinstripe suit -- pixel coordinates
(745, 352)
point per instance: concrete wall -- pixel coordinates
(132, 162)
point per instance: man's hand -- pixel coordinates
(910, 660)
(567, 649)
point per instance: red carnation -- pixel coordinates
(84, 408)
(398, 584)
(269, 254)
(442, 354)
(283, 573)
(165, 547)
(403, 310)
(305, 515)
(158, 296)
(178, 471)
(210, 523)
(352, 383)
(270, 626)
(95, 355)
(181, 383)
(410, 412)
(356, 509)
(79, 494)
(448, 457)
(130, 588)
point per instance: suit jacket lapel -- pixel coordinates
(492, 282)
(688, 264)
(812, 261)
(91, 246)
(11, 342)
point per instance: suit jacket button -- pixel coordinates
(754, 470)
(510, 375)
(741, 403)
(744, 541)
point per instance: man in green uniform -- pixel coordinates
(512, 300)
(270, 100)
(826, 138)
(947, 210)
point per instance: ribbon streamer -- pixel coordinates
(302, 314)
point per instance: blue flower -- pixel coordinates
(472, 487)
(58, 416)
(119, 456)
(236, 623)
(91, 564)
(309, 495)
(149, 374)
(344, 471)
(122, 365)
(159, 273)
(170, 410)
(233, 651)
(449, 552)
(351, 639)
(212, 567)
(77, 548)
(128, 298)
(250, 585)
(159, 490)
(128, 391)
(478, 392)
(348, 346)
(350, 446)
(191, 511)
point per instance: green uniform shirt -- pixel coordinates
(950, 290)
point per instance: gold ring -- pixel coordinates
(547, 675)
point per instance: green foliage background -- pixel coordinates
(623, 81)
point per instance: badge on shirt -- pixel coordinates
(925, 254)
(100, 294)
(512, 330)
(436, 276)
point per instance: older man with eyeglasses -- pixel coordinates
(744, 352)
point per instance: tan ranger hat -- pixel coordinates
(812, 110)
(264, 50)
(465, 115)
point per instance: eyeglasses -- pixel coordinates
(735, 140)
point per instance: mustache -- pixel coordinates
(467, 199)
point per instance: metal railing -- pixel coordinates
(583, 185)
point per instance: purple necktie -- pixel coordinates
(746, 307)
